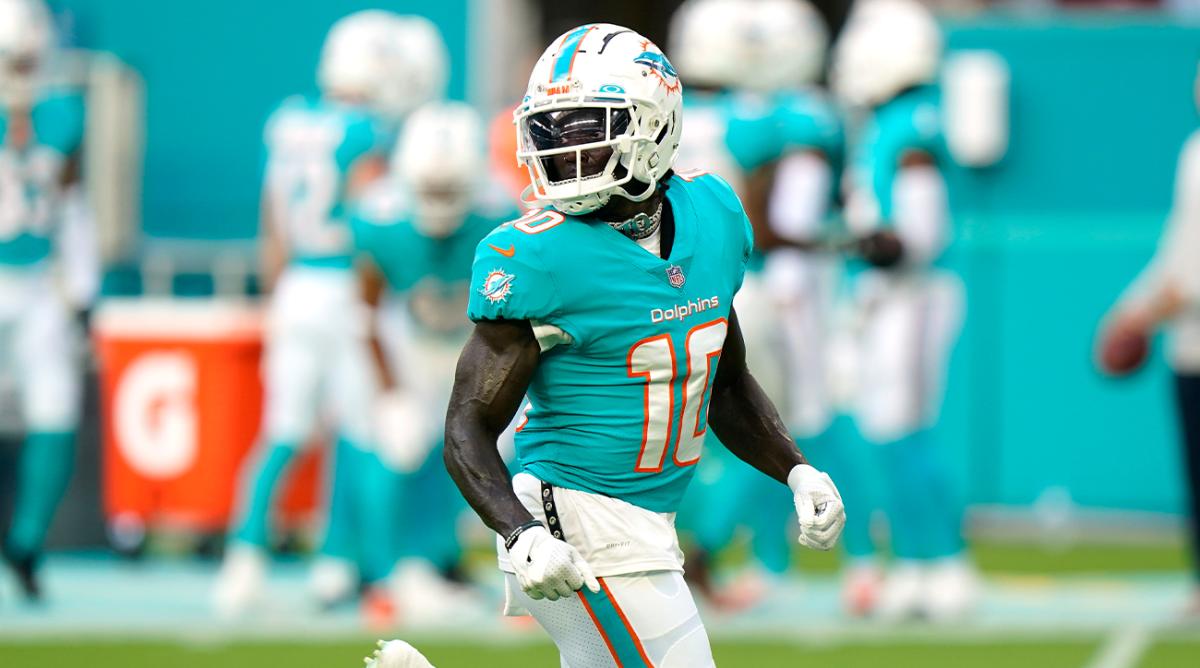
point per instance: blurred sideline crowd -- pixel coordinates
(375, 194)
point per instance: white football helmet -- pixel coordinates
(704, 44)
(358, 54)
(602, 111)
(886, 46)
(421, 70)
(26, 35)
(783, 44)
(439, 158)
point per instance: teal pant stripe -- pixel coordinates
(624, 645)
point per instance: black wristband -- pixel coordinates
(512, 537)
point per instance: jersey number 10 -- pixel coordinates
(654, 359)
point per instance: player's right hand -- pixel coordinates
(547, 567)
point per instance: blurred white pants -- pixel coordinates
(760, 323)
(803, 288)
(909, 322)
(318, 361)
(39, 349)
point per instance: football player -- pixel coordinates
(417, 232)
(1165, 295)
(41, 133)
(885, 68)
(321, 154)
(612, 309)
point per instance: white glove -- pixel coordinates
(819, 506)
(402, 427)
(547, 567)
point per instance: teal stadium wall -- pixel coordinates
(1045, 239)
(214, 70)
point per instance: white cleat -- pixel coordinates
(332, 581)
(952, 590)
(396, 654)
(241, 582)
(903, 592)
(425, 597)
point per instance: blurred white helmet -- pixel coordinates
(886, 46)
(601, 117)
(421, 70)
(440, 158)
(783, 44)
(359, 54)
(26, 34)
(703, 44)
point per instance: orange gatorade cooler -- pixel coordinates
(182, 404)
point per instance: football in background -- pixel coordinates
(1123, 351)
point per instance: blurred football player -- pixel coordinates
(41, 133)
(885, 67)
(418, 232)
(754, 118)
(612, 310)
(321, 154)
(1167, 295)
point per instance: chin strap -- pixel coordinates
(640, 226)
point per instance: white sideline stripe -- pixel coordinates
(1122, 649)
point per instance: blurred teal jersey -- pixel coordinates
(434, 272)
(726, 134)
(31, 172)
(311, 147)
(911, 122)
(619, 406)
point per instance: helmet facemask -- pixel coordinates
(580, 151)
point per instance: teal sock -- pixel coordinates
(47, 459)
(376, 502)
(925, 519)
(338, 541)
(770, 518)
(259, 484)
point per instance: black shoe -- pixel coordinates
(25, 569)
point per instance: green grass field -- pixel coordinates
(1024, 654)
(850, 647)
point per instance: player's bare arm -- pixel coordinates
(748, 424)
(742, 416)
(493, 372)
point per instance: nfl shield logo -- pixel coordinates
(675, 276)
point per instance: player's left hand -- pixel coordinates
(819, 506)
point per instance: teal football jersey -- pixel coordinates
(910, 122)
(621, 408)
(311, 147)
(726, 134)
(434, 273)
(31, 173)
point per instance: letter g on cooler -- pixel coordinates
(154, 409)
